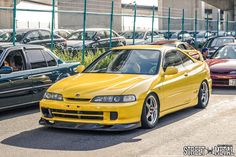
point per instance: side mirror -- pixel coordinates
(6, 70)
(25, 41)
(80, 68)
(171, 70)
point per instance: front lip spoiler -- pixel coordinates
(93, 127)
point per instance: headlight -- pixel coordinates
(53, 96)
(114, 99)
(233, 72)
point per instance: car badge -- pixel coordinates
(77, 95)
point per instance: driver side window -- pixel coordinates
(173, 59)
(15, 59)
(32, 36)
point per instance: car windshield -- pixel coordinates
(136, 35)
(7, 36)
(175, 35)
(89, 35)
(226, 52)
(201, 35)
(221, 41)
(127, 62)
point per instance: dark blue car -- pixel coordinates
(26, 71)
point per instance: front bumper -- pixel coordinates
(220, 80)
(86, 115)
(94, 127)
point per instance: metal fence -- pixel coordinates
(83, 14)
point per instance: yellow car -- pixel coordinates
(126, 88)
(184, 46)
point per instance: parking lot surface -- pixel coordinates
(22, 136)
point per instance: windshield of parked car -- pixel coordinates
(8, 36)
(201, 35)
(226, 52)
(89, 35)
(144, 62)
(136, 35)
(217, 42)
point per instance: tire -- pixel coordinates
(150, 115)
(203, 95)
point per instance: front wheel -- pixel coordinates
(203, 95)
(150, 112)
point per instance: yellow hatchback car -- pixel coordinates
(127, 87)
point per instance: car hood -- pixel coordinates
(88, 85)
(77, 43)
(222, 65)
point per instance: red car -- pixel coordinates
(223, 66)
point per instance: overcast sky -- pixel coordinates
(141, 2)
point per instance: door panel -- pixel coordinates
(174, 86)
(15, 89)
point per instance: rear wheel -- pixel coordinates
(150, 112)
(203, 95)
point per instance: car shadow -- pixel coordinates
(18, 112)
(224, 91)
(75, 140)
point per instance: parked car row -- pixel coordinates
(132, 75)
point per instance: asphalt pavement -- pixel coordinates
(22, 136)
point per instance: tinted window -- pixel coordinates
(226, 52)
(33, 36)
(7, 37)
(36, 58)
(89, 35)
(45, 34)
(221, 41)
(182, 47)
(101, 34)
(185, 59)
(108, 34)
(172, 59)
(136, 35)
(49, 59)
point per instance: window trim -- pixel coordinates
(168, 51)
(45, 51)
(28, 60)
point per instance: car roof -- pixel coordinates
(162, 42)
(93, 29)
(214, 37)
(10, 45)
(230, 43)
(142, 47)
(24, 30)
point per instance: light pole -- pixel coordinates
(123, 19)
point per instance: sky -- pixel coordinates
(141, 2)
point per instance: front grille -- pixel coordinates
(220, 81)
(219, 73)
(73, 114)
(78, 99)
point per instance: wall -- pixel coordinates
(75, 20)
